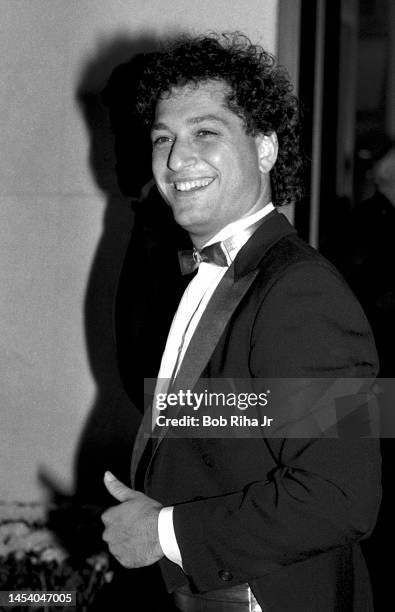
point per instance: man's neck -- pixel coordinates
(232, 228)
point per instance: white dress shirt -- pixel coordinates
(192, 305)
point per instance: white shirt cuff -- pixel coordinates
(167, 536)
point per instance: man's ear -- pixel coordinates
(267, 147)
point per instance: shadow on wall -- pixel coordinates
(107, 440)
(121, 166)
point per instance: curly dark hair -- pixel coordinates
(260, 93)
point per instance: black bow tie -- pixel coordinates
(219, 253)
(192, 258)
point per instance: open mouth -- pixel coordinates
(194, 185)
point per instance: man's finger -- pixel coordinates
(116, 488)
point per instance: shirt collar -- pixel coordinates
(237, 227)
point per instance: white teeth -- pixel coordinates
(188, 185)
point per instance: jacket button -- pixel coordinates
(207, 460)
(225, 575)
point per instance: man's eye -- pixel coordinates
(161, 140)
(206, 133)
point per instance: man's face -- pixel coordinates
(205, 165)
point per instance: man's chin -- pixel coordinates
(190, 223)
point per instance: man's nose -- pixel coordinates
(181, 156)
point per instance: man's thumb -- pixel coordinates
(116, 488)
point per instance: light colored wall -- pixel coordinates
(52, 216)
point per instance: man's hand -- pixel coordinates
(131, 528)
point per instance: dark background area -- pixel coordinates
(356, 228)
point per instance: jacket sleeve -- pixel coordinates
(323, 493)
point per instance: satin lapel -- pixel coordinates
(220, 308)
(140, 443)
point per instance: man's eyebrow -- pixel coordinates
(192, 121)
(159, 126)
(208, 117)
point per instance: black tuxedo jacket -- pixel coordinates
(283, 514)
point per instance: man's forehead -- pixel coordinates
(203, 100)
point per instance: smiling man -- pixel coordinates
(207, 168)
(254, 523)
